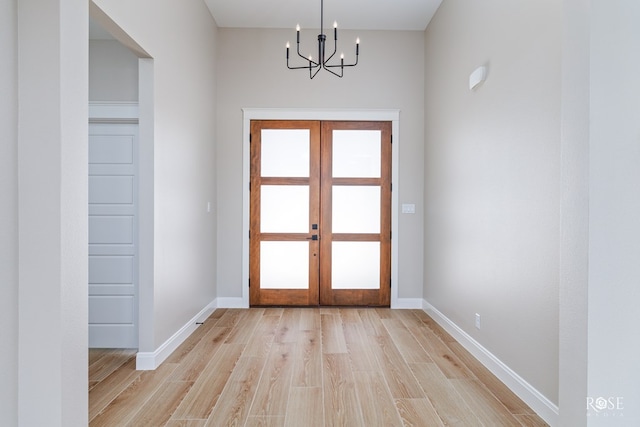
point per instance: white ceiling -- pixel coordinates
(350, 14)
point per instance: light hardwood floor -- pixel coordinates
(306, 367)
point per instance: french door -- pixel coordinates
(320, 213)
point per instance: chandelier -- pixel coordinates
(323, 61)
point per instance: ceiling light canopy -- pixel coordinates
(337, 69)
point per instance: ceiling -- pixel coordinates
(350, 14)
(402, 15)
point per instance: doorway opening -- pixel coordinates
(320, 213)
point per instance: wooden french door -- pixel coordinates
(320, 220)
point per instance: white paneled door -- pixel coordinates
(113, 236)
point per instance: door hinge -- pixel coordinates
(391, 139)
(390, 284)
(250, 137)
(249, 282)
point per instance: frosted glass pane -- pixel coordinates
(284, 208)
(356, 153)
(285, 152)
(356, 209)
(284, 265)
(355, 265)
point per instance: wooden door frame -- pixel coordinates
(249, 114)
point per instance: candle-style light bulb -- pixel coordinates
(358, 46)
(335, 24)
(288, 45)
(298, 34)
(298, 27)
(335, 30)
(287, 50)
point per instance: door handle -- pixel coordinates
(313, 237)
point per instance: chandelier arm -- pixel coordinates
(335, 45)
(345, 65)
(305, 67)
(317, 68)
(328, 68)
(315, 64)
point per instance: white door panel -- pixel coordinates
(114, 309)
(104, 229)
(111, 149)
(111, 190)
(113, 236)
(111, 269)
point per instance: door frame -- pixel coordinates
(249, 114)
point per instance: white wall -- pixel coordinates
(492, 168)
(252, 73)
(52, 212)
(181, 40)
(614, 211)
(8, 216)
(574, 242)
(113, 72)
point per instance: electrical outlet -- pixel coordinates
(477, 321)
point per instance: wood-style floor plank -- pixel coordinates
(491, 382)
(378, 408)
(402, 383)
(305, 407)
(449, 405)
(288, 328)
(232, 408)
(158, 409)
(408, 346)
(186, 423)
(125, 406)
(306, 367)
(204, 394)
(272, 394)
(441, 354)
(107, 363)
(341, 406)
(332, 334)
(264, 422)
(108, 389)
(531, 421)
(192, 341)
(307, 364)
(259, 345)
(358, 345)
(483, 404)
(250, 321)
(200, 356)
(417, 413)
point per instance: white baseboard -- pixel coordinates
(546, 409)
(406, 303)
(231, 302)
(149, 361)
